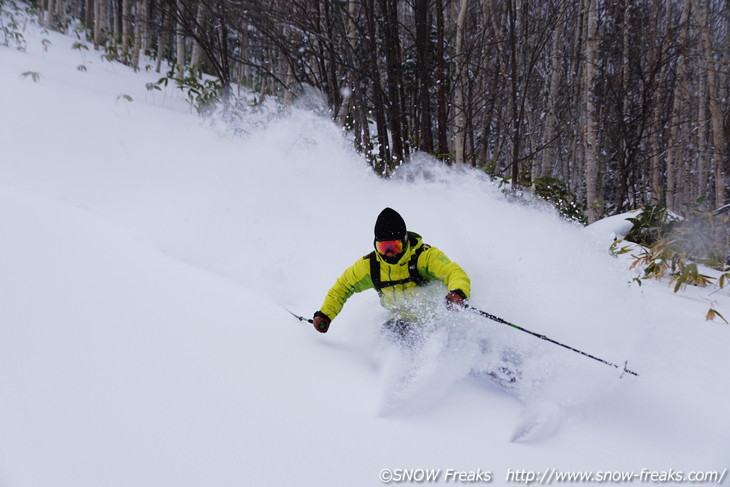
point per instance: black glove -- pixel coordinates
(456, 299)
(321, 322)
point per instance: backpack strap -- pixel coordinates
(414, 275)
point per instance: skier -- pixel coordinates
(400, 264)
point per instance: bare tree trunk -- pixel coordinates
(116, 22)
(49, 15)
(548, 158)
(657, 146)
(195, 55)
(393, 69)
(141, 33)
(180, 43)
(60, 8)
(89, 14)
(125, 30)
(713, 86)
(245, 68)
(392, 56)
(151, 31)
(680, 97)
(424, 99)
(513, 94)
(441, 74)
(724, 95)
(703, 153)
(574, 167)
(164, 40)
(401, 84)
(363, 124)
(288, 93)
(591, 122)
(100, 18)
(655, 164)
(347, 104)
(459, 95)
(621, 193)
(383, 165)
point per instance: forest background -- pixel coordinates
(603, 105)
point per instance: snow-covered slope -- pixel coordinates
(146, 255)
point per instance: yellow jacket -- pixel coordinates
(395, 283)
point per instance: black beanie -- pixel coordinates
(390, 226)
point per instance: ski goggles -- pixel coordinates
(389, 246)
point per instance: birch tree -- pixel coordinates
(681, 94)
(180, 40)
(592, 158)
(461, 81)
(714, 89)
(548, 159)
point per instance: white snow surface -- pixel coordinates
(146, 254)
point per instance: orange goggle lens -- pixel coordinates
(394, 246)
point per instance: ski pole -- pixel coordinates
(322, 327)
(300, 318)
(543, 337)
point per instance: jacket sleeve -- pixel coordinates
(434, 264)
(356, 278)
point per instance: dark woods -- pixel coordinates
(614, 103)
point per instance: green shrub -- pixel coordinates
(11, 34)
(650, 225)
(558, 194)
(675, 247)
